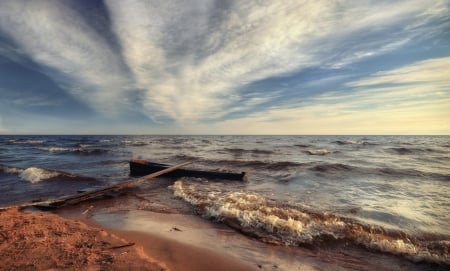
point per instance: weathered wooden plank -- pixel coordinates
(143, 167)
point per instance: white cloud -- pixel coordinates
(432, 71)
(72, 53)
(191, 59)
(188, 71)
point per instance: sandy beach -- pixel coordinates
(128, 232)
(45, 241)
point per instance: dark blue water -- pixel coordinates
(390, 193)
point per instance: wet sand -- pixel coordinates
(186, 241)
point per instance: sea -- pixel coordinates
(389, 195)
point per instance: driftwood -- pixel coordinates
(96, 193)
(143, 167)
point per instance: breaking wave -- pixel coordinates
(25, 142)
(10, 170)
(36, 174)
(134, 143)
(277, 223)
(82, 150)
(55, 149)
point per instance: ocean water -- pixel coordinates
(389, 194)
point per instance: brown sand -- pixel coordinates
(43, 241)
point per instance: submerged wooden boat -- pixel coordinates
(144, 167)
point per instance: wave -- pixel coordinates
(56, 149)
(243, 151)
(278, 223)
(273, 168)
(406, 151)
(135, 143)
(353, 142)
(318, 152)
(184, 157)
(80, 151)
(10, 169)
(413, 173)
(36, 174)
(332, 168)
(260, 165)
(302, 145)
(337, 168)
(28, 141)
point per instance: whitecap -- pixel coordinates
(11, 170)
(27, 141)
(35, 174)
(55, 149)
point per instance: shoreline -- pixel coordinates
(169, 233)
(105, 239)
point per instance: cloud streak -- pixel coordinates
(68, 50)
(190, 71)
(409, 100)
(200, 61)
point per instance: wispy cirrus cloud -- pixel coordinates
(432, 72)
(191, 60)
(68, 50)
(200, 61)
(413, 99)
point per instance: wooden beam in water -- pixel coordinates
(93, 194)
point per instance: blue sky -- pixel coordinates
(224, 67)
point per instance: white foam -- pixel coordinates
(34, 174)
(287, 226)
(294, 226)
(28, 141)
(11, 170)
(56, 149)
(85, 145)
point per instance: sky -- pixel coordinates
(225, 67)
